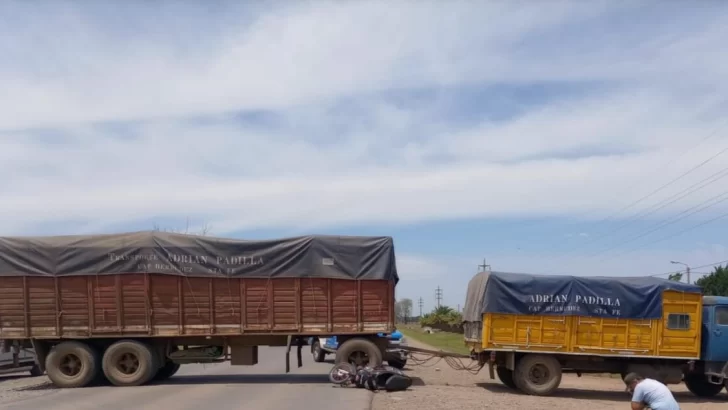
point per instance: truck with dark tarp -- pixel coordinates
(530, 329)
(134, 307)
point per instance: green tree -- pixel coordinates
(677, 277)
(442, 310)
(715, 283)
(443, 315)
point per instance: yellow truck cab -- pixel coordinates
(530, 329)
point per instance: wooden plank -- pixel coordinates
(180, 306)
(243, 308)
(211, 296)
(148, 310)
(299, 304)
(59, 311)
(90, 303)
(119, 304)
(26, 307)
(330, 309)
(271, 303)
(359, 307)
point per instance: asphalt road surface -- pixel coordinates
(220, 386)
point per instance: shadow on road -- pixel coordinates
(256, 379)
(615, 396)
(248, 379)
(14, 376)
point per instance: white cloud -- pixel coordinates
(341, 150)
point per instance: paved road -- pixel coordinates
(221, 386)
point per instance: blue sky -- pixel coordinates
(498, 130)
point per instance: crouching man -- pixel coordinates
(649, 393)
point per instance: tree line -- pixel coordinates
(714, 284)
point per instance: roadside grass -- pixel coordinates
(450, 342)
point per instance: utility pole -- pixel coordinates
(687, 269)
(438, 296)
(485, 266)
(421, 302)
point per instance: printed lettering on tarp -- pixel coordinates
(613, 297)
(592, 305)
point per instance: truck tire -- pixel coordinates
(506, 376)
(537, 375)
(359, 352)
(169, 369)
(129, 363)
(319, 355)
(72, 364)
(698, 385)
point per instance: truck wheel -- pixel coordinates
(359, 352)
(72, 364)
(537, 375)
(129, 363)
(169, 369)
(506, 376)
(698, 385)
(319, 354)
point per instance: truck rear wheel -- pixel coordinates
(699, 385)
(129, 363)
(506, 376)
(537, 375)
(72, 364)
(359, 352)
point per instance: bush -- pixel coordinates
(443, 318)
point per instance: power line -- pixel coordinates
(676, 233)
(636, 183)
(668, 201)
(713, 176)
(709, 265)
(669, 221)
(656, 207)
(688, 172)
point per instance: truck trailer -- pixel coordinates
(529, 329)
(133, 307)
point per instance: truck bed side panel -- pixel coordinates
(675, 335)
(167, 305)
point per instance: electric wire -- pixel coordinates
(666, 164)
(676, 218)
(721, 216)
(709, 265)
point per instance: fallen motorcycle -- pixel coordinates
(386, 378)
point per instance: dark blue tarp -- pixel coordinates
(611, 297)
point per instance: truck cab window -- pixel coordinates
(678, 321)
(721, 315)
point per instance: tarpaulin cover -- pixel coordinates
(342, 257)
(608, 297)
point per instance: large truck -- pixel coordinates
(133, 307)
(530, 329)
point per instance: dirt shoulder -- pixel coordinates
(437, 386)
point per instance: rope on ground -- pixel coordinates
(455, 363)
